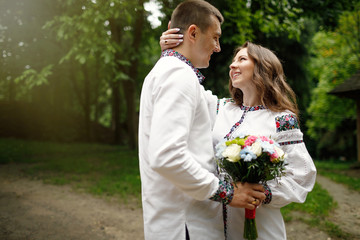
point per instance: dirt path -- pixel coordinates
(347, 215)
(31, 210)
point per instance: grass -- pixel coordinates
(314, 210)
(338, 172)
(319, 203)
(108, 170)
(95, 168)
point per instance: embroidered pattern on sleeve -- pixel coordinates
(224, 193)
(290, 142)
(286, 122)
(268, 194)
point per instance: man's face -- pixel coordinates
(207, 43)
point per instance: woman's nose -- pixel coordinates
(233, 65)
(217, 47)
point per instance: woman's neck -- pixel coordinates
(251, 100)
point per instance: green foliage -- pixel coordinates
(22, 42)
(237, 20)
(333, 61)
(90, 47)
(31, 78)
(277, 17)
(90, 27)
(325, 13)
(349, 29)
(269, 17)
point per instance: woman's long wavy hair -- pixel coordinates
(269, 79)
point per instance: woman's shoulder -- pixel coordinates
(225, 103)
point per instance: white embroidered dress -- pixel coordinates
(300, 171)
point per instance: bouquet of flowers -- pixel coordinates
(253, 159)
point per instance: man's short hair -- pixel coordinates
(196, 12)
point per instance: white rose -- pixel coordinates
(232, 152)
(280, 152)
(256, 148)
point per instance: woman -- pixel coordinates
(263, 104)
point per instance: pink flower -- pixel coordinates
(263, 138)
(250, 140)
(274, 156)
(266, 139)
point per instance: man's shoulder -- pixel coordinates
(170, 62)
(172, 67)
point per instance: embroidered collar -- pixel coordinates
(238, 123)
(255, 108)
(170, 52)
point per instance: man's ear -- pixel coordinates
(169, 24)
(192, 32)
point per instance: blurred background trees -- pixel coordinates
(72, 70)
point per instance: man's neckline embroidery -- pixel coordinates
(170, 52)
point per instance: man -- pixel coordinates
(180, 192)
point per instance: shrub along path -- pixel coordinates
(30, 209)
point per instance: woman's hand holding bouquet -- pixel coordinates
(250, 159)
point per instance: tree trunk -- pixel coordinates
(115, 108)
(358, 129)
(11, 91)
(115, 111)
(96, 90)
(131, 120)
(129, 85)
(87, 104)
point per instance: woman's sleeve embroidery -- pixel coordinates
(225, 193)
(268, 194)
(286, 122)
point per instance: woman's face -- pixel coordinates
(241, 70)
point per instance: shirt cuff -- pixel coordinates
(224, 194)
(268, 194)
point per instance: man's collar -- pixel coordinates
(170, 52)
